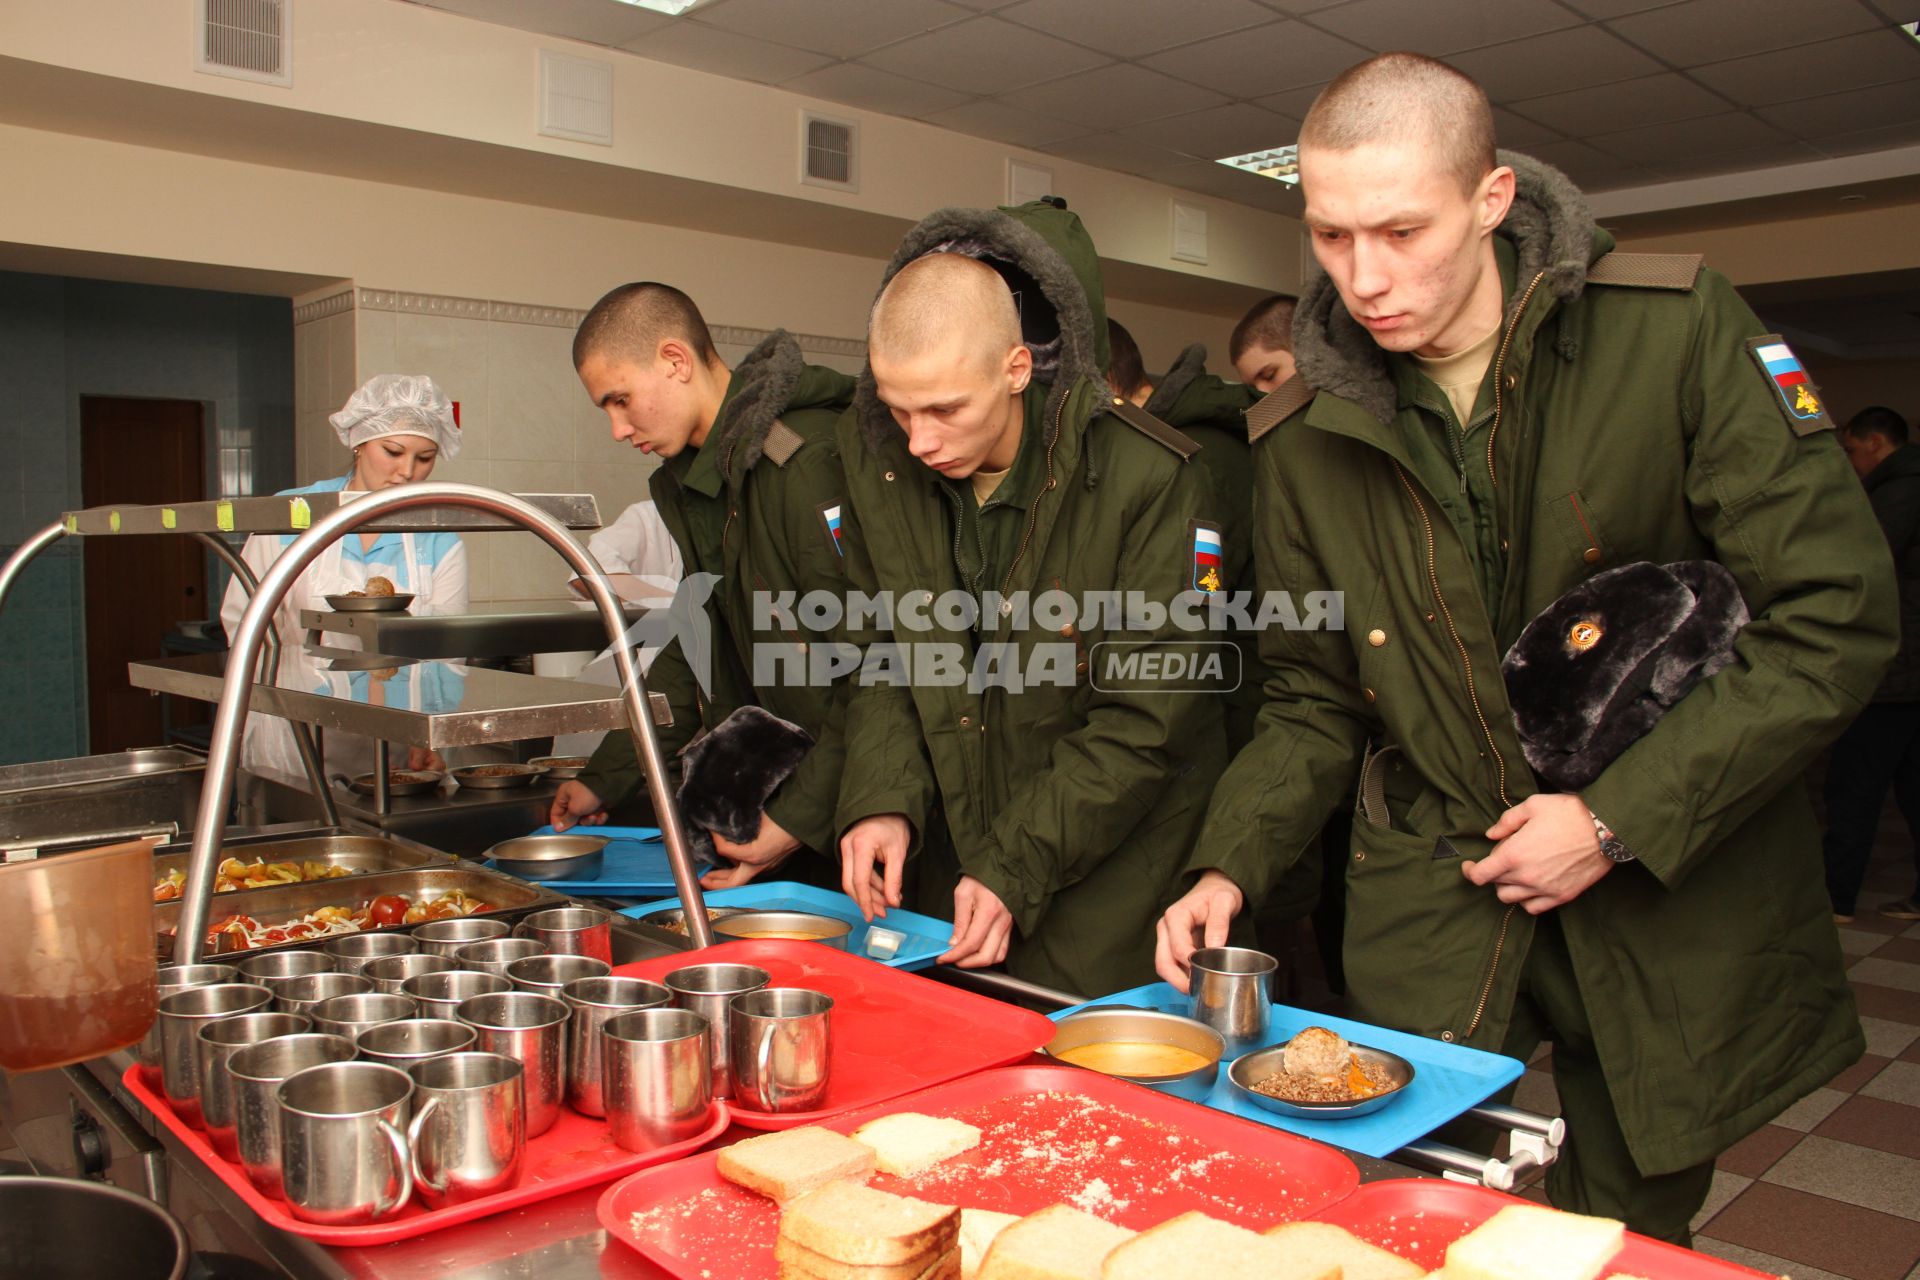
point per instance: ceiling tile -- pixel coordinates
(1517, 131)
(1281, 55)
(1882, 138)
(1737, 160)
(1115, 96)
(1440, 29)
(984, 56)
(1690, 139)
(688, 44)
(1292, 102)
(1614, 8)
(1129, 30)
(1700, 31)
(863, 86)
(1220, 131)
(1831, 66)
(1118, 151)
(987, 118)
(1559, 60)
(839, 27)
(1625, 104)
(589, 20)
(1297, 7)
(1218, 180)
(1850, 112)
(1589, 167)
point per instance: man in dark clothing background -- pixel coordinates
(1882, 748)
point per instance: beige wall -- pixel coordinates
(1851, 385)
(1804, 248)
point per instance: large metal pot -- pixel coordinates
(52, 1229)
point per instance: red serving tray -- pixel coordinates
(893, 1032)
(1049, 1134)
(1418, 1218)
(577, 1152)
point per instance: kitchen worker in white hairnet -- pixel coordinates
(399, 426)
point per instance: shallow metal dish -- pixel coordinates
(561, 771)
(1125, 1025)
(418, 782)
(370, 604)
(748, 925)
(1250, 1068)
(550, 857)
(674, 919)
(518, 775)
(358, 854)
(509, 897)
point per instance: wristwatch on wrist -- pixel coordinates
(1610, 844)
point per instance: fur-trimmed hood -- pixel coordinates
(1550, 229)
(1167, 391)
(1048, 261)
(772, 379)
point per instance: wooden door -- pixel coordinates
(136, 452)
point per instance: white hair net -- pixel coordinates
(398, 404)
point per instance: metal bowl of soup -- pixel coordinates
(1159, 1050)
(792, 926)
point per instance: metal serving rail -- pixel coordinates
(237, 686)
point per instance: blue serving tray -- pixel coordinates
(1448, 1079)
(927, 938)
(635, 864)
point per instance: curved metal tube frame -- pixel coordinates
(270, 674)
(25, 552)
(197, 901)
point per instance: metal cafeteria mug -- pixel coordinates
(349, 1015)
(257, 1071)
(545, 975)
(445, 937)
(593, 1001)
(658, 1082)
(275, 965)
(469, 1131)
(1232, 993)
(495, 954)
(181, 1016)
(405, 1041)
(343, 1157)
(440, 994)
(219, 1041)
(352, 951)
(571, 931)
(708, 989)
(390, 973)
(169, 979)
(533, 1030)
(304, 993)
(779, 1041)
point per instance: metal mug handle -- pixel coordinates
(403, 1168)
(763, 1068)
(413, 1146)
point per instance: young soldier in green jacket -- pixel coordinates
(1492, 407)
(750, 487)
(984, 466)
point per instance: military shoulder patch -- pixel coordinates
(1209, 565)
(830, 521)
(1798, 398)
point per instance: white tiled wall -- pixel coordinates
(526, 424)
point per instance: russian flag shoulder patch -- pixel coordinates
(1792, 389)
(1209, 565)
(830, 521)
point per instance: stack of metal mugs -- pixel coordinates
(388, 1068)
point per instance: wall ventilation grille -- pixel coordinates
(829, 152)
(576, 98)
(245, 39)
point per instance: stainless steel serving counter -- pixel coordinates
(93, 799)
(558, 626)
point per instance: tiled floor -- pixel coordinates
(1831, 1189)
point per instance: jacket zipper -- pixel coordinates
(1499, 364)
(1033, 512)
(1473, 695)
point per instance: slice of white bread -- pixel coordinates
(1357, 1259)
(801, 1263)
(978, 1230)
(1057, 1243)
(793, 1162)
(1196, 1247)
(856, 1224)
(907, 1142)
(1530, 1242)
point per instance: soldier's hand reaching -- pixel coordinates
(1207, 909)
(873, 858)
(763, 853)
(1548, 854)
(574, 803)
(982, 926)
